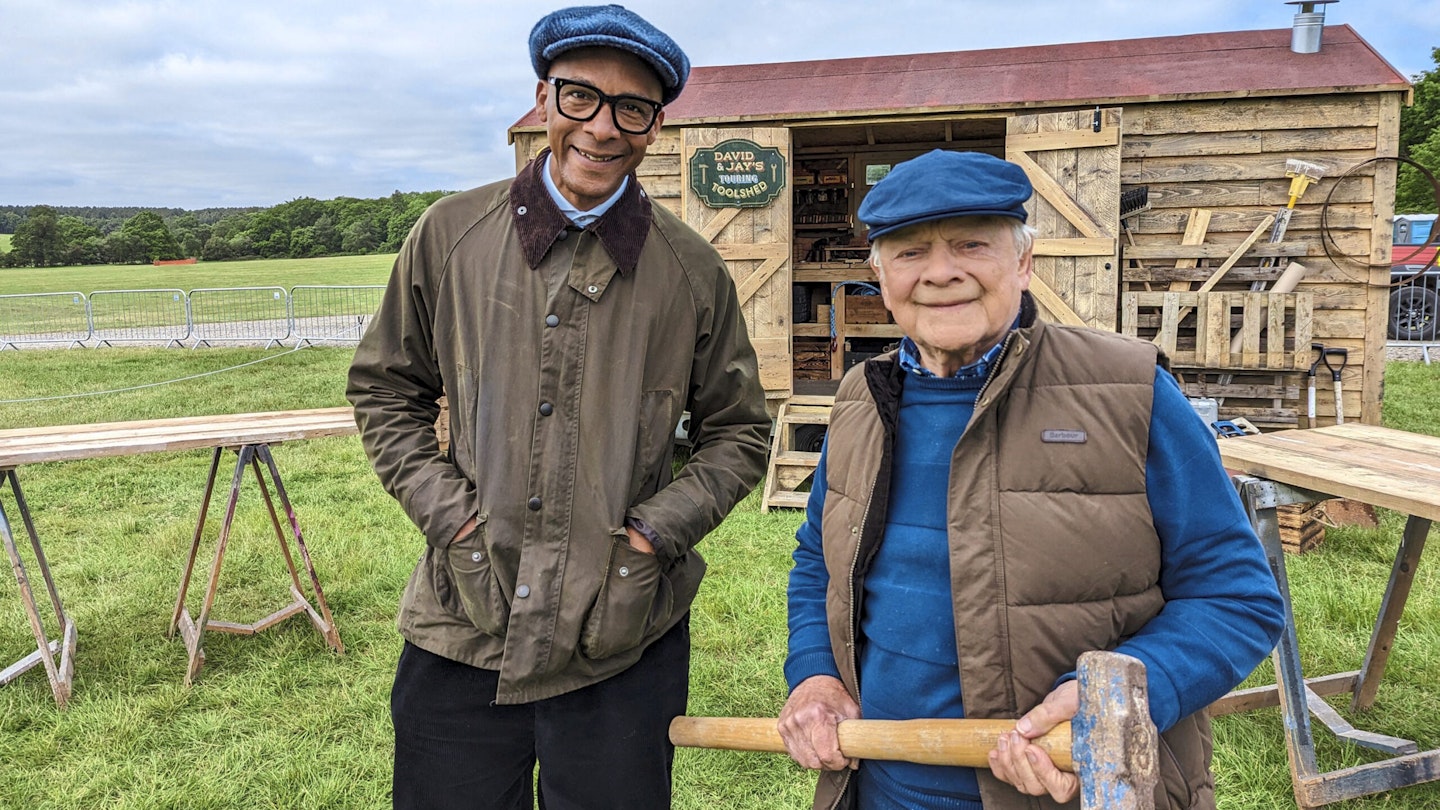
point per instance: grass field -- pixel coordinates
(285, 273)
(276, 721)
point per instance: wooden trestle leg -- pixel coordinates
(193, 630)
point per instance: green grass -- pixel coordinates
(349, 270)
(277, 721)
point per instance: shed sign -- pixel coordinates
(737, 174)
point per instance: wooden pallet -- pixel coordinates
(791, 466)
(1229, 330)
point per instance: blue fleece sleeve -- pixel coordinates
(1222, 612)
(810, 652)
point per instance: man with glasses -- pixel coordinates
(570, 321)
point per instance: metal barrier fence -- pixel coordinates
(139, 315)
(240, 313)
(332, 313)
(1423, 345)
(62, 317)
(269, 315)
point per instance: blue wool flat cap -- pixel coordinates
(941, 184)
(609, 27)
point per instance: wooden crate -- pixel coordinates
(1224, 330)
(1300, 526)
(811, 358)
(866, 309)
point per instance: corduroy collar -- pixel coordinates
(538, 221)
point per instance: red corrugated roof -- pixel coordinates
(1239, 63)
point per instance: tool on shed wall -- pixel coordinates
(1319, 348)
(1344, 355)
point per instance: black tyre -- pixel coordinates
(810, 438)
(1413, 313)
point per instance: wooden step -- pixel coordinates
(789, 500)
(796, 458)
(790, 467)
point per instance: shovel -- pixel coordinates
(1344, 355)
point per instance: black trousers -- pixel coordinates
(604, 746)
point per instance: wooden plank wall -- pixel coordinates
(1229, 156)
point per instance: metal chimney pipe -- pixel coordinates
(1309, 25)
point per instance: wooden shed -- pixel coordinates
(1193, 132)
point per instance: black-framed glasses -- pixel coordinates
(578, 101)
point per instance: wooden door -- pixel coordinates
(1073, 160)
(756, 244)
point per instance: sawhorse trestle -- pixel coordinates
(193, 630)
(1302, 698)
(57, 655)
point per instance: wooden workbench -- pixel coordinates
(250, 435)
(1374, 465)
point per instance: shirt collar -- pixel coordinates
(575, 215)
(910, 361)
(539, 221)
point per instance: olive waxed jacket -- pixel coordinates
(568, 356)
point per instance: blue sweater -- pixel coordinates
(1222, 610)
(908, 664)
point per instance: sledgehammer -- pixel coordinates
(1111, 743)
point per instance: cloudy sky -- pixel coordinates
(200, 103)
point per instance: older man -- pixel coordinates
(997, 497)
(570, 321)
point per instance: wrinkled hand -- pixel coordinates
(1016, 762)
(809, 723)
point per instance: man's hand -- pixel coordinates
(465, 528)
(809, 723)
(638, 541)
(1015, 761)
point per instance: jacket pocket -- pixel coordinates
(469, 561)
(654, 444)
(635, 597)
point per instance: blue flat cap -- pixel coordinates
(609, 27)
(941, 184)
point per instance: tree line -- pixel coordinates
(54, 236)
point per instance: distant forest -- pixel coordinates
(56, 236)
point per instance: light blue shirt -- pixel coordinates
(575, 215)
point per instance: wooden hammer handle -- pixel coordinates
(929, 742)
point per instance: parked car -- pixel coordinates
(1415, 300)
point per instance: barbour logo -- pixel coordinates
(1054, 436)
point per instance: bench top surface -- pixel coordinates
(1375, 465)
(21, 446)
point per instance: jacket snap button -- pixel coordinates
(534, 504)
(476, 556)
(624, 571)
(522, 591)
(552, 320)
(565, 234)
(522, 211)
(592, 289)
(546, 409)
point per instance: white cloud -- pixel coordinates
(164, 103)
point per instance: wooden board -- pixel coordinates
(755, 244)
(1075, 209)
(105, 439)
(1370, 464)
